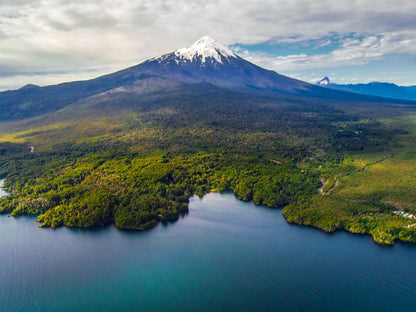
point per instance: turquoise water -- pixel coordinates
(224, 255)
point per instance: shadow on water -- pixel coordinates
(182, 216)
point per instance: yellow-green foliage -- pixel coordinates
(137, 192)
(138, 166)
(370, 188)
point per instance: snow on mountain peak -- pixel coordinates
(324, 82)
(205, 48)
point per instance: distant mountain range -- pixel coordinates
(383, 89)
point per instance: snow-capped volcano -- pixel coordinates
(209, 61)
(204, 65)
(205, 49)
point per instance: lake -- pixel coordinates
(224, 255)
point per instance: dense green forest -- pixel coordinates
(136, 163)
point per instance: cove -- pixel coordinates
(224, 255)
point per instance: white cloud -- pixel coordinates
(61, 35)
(353, 51)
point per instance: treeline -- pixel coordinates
(136, 193)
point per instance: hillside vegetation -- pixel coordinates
(135, 161)
(371, 189)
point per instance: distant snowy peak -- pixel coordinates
(324, 82)
(205, 49)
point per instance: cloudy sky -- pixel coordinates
(51, 41)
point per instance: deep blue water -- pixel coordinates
(224, 255)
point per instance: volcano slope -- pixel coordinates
(130, 148)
